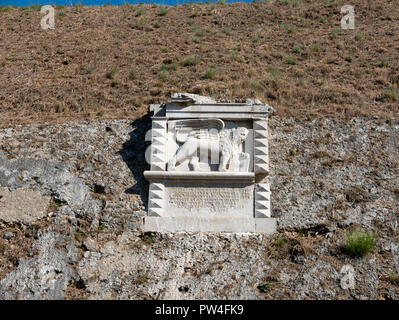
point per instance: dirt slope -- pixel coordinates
(112, 61)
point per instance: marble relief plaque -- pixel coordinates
(209, 167)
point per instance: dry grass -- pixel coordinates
(19, 245)
(104, 62)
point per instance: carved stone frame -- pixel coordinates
(256, 213)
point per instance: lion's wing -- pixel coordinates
(198, 128)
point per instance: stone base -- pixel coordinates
(204, 224)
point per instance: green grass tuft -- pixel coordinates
(5, 8)
(358, 36)
(132, 75)
(296, 49)
(349, 58)
(273, 73)
(210, 73)
(163, 76)
(394, 279)
(168, 67)
(279, 242)
(289, 27)
(290, 60)
(110, 74)
(226, 30)
(89, 69)
(263, 287)
(191, 61)
(383, 63)
(140, 12)
(163, 11)
(390, 94)
(335, 32)
(35, 7)
(360, 242)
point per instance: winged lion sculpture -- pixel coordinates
(210, 137)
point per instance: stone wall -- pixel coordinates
(86, 189)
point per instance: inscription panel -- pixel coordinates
(214, 201)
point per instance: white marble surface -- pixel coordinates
(209, 224)
(211, 167)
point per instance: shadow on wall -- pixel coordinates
(133, 154)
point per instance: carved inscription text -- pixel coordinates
(214, 199)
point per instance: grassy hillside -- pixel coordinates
(112, 61)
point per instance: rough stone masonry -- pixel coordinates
(86, 242)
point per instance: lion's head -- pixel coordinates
(242, 133)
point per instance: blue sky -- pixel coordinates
(99, 2)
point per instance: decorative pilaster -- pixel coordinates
(157, 198)
(262, 200)
(158, 145)
(261, 147)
